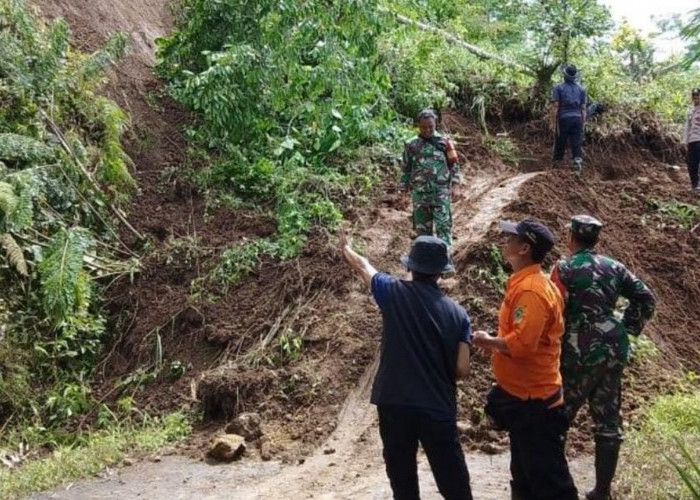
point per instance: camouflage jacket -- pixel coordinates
(591, 285)
(429, 166)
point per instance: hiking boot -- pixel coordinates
(606, 453)
(578, 165)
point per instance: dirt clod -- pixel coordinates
(227, 447)
(247, 425)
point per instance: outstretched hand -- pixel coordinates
(358, 263)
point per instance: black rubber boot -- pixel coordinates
(607, 452)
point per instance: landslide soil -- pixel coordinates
(218, 340)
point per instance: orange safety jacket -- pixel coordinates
(531, 322)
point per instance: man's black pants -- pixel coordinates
(537, 463)
(401, 431)
(694, 163)
(569, 130)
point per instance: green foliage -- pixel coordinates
(70, 400)
(503, 146)
(112, 166)
(498, 275)
(684, 214)
(281, 89)
(90, 70)
(635, 50)
(645, 470)
(55, 229)
(643, 348)
(104, 448)
(64, 285)
(239, 260)
(690, 473)
(290, 346)
(8, 199)
(691, 33)
(677, 414)
(556, 26)
(18, 148)
(687, 215)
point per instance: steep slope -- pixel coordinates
(231, 367)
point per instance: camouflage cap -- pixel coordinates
(585, 225)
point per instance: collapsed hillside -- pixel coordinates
(237, 346)
(293, 338)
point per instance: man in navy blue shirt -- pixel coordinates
(568, 115)
(425, 348)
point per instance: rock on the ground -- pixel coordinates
(246, 425)
(463, 428)
(265, 451)
(490, 449)
(227, 447)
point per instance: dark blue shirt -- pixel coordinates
(571, 98)
(422, 331)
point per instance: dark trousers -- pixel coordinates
(569, 130)
(694, 163)
(401, 431)
(537, 462)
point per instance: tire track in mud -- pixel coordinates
(355, 468)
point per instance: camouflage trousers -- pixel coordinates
(601, 386)
(429, 215)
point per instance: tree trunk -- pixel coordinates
(477, 51)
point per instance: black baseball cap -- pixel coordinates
(695, 91)
(429, 255)
(532, 231)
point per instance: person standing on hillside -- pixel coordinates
(596, 343)
(431, 173)
(568, 117)
(691, 137)
(425, 348)
(527, 398)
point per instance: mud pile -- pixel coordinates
(232, 347)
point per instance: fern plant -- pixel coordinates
(112, 166)
(62, 168)
(62, 275)
(19, 148)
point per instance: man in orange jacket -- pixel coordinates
(527, 399)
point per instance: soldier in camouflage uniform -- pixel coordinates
(431, 172)
(595, 347)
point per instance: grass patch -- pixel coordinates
(645, 470)
(100, 449)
